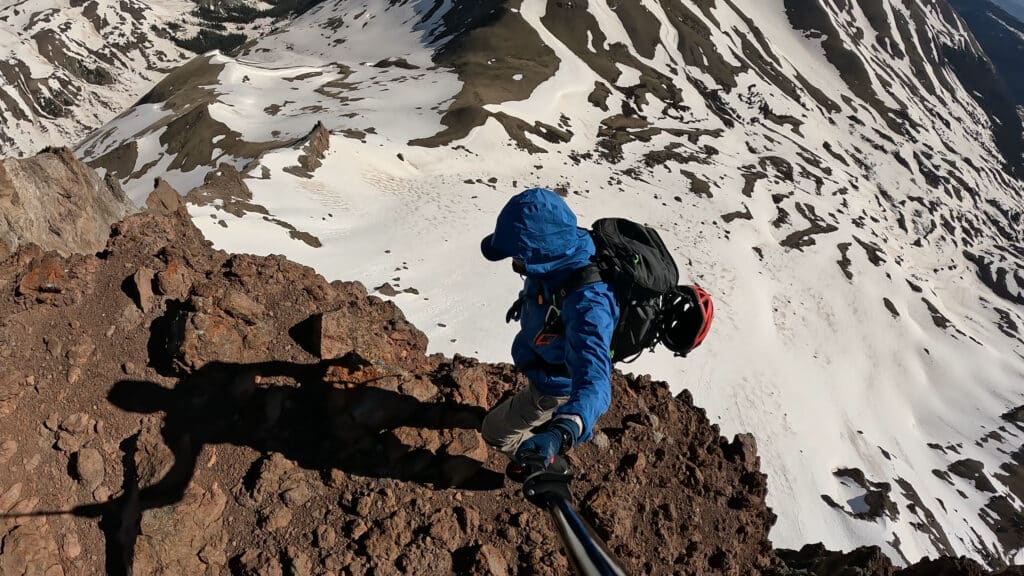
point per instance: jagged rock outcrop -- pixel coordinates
(55, 201)
(164, 198)
(314, 149)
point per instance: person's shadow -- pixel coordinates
(310, 418)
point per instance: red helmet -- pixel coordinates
(686, 319)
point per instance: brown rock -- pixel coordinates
(30, 550)
(187, 538)
(89, 468)
(53, 345)
(467, 452)
(153, 459)
(295, 491)
(8, 448)
(257, 563)
(489, 560)
(101, 494)
(67, 442)
(298, 562)
(71, 547)
(33, 462)
(206, 337)
(130, 318)
(316, 145)
(444, 528)
(382, 546)
(10, 393)
(237, 305)
(78, 423)
(46, 276)
(82, 351)
(276, 517)
(277, 475)
(744, 448)
(425, 557)
(204, 330)
(399, 343)
(228, 186)
(357, 529)
(336, 337)
(163, 199)
(472, 382)
(175, 280)
(325, 537)
(142, 289)
(9, 498)
(420, 388)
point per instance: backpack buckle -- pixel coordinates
(553, 328)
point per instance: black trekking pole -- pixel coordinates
(549, 489)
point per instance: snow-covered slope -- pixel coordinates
(69, 66)
(823, 168)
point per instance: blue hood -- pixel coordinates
(538, 228)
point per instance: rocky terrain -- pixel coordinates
(199, 412)
(168, 408)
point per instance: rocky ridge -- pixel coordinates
(196, 412)
(219, 411)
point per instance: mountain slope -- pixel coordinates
(833, 172)
(1015, 7)
(213, 413)
(71, 65)
(1002, 36)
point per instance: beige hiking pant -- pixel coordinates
(511, 422)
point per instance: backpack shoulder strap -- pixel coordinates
(589, 274)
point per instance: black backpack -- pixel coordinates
(633, 260)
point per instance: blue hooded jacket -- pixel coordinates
(538, 228)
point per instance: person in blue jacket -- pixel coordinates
(563, 345)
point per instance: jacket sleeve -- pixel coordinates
(521, 353)
(590, 315)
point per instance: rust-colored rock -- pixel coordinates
(175, 280)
